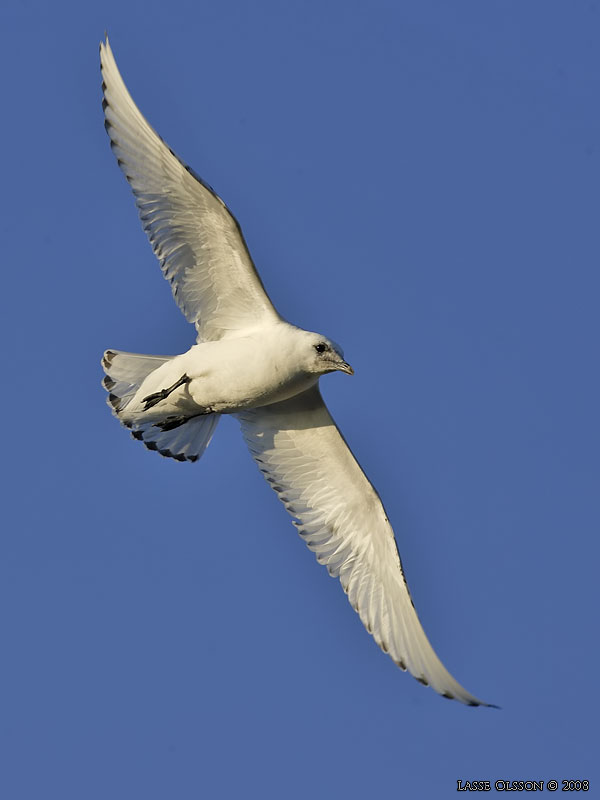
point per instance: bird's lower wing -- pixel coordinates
(339, 515)
(195, 237)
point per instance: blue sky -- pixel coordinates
(419, 181)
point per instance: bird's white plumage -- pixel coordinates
(341, 518)
(195, 237)
(295, 441)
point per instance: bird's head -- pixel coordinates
(321, 355)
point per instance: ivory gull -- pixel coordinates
(249, 362)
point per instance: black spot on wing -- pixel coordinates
(172, 422)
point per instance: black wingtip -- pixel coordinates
(103, 43)
(474, 704)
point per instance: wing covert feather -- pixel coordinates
(197, 240)
(338, 513)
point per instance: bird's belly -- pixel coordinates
(231, 391)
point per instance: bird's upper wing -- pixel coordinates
(342, 520)
(197, 240)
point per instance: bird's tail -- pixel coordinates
(183, 441)
(125, 372)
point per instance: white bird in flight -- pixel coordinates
(251, 363)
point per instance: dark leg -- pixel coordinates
(171, 422)
(177, 420)
(156, 397)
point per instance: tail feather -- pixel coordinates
(125, 372)
(187, 442)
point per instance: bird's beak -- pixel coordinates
(344, 367)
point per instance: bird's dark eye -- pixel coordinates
(321, 347)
